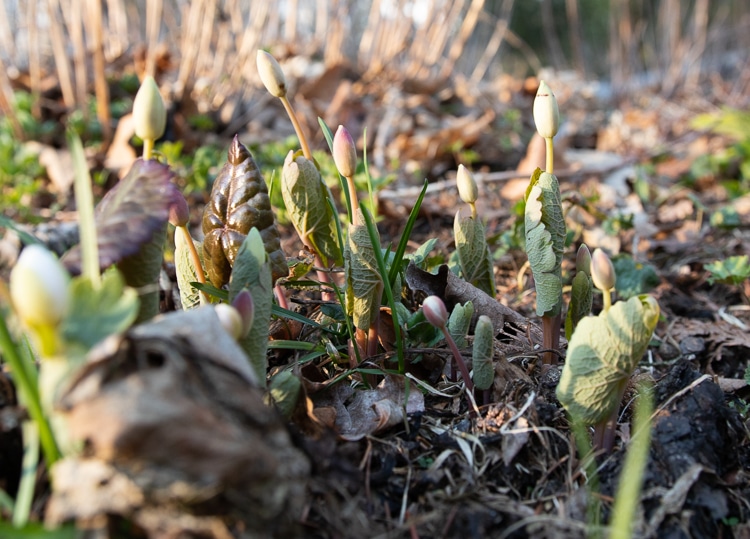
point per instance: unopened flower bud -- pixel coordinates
(149, 112)
(230, 319)
(602, 270)
(179, 213)
(39, 287)
(271, 74)
(467, 187)
(243, 302)
(546, 113)
(344, 152)
(583, 259)
(435, 311)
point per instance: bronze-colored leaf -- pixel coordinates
(239, 201)
(130, 214)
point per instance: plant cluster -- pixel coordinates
(241, 273)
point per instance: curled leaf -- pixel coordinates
(581, 300)
(482, 352)
(545, 240)
(602, 354)
(364, 282)
(253, 273)
(460, 321)
(183, 263)
(473, 253)
(239, 201)
(130, 214)
(305, 196)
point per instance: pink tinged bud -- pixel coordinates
(602, 270)
(179, 213)
(271, 74)
(467, 187)
(149, 112)
(39, 287)
(583, 259)
(344, 152)
(435, 311)
(546, 113)
(243, 303)
(230, 320)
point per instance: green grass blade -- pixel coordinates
(85, 204)
(401, 247)
(25, 495)
(374, 238)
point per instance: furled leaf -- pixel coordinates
(581, 300)
(474, 256)
(96, 313)
(284, 390)
(482, 352)
(239, 201)
(185, 270)
(364, 282)
(130, 214)
(602, 354)
(459, 322)
(305, 196)
(733, 270)
(253, 272)
(545, 240)
(633, 278)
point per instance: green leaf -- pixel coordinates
(482, 353)
(474, 256)
(602, 354)
(581, 299)
(459, 322)
(545, 240)
(734, 270)
(252, 271)
(96, 313)
(633, 278)
(284, 391)
(364, 282)
(185, 270)
(305, 196)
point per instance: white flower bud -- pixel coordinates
(467, 187)
(602, 270)
(546, 113)
(230, 319)
(149, 112)
(39, 287)
(271, 74)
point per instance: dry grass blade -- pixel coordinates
(57, 37)
(35, 68)
(101, 88)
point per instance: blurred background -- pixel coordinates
(435, 82)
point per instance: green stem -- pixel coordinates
(354, 201)
(297, 128)
(550, 155)
(85, 203)
(28, 393)
(607, 297)
(148, 148)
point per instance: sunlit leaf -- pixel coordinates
(364, 282)
(474, 255)
(254, 274)
(185, 270)
(602, 354)
(305, 197)
(545, 240)
(96, 313)
(733, 270)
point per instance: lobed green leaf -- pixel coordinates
(602, 354)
